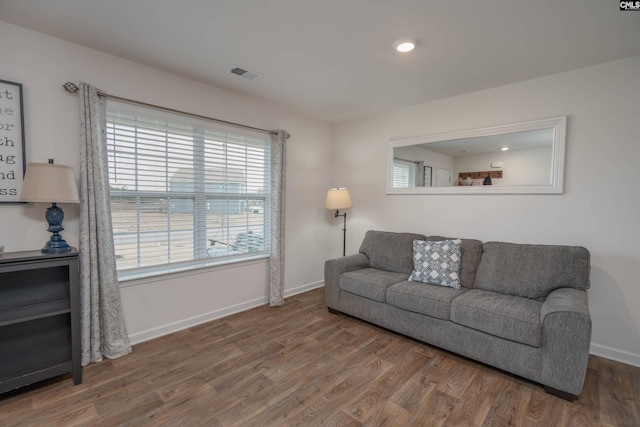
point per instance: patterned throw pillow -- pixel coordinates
(437, 263)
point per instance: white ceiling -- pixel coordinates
(333, 59)
(516, 141)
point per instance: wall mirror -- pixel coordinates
(519, 158)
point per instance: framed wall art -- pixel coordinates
(12, 161)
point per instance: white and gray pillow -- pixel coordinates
(437, 262)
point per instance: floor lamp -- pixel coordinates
(337, 199)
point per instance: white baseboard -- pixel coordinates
(159, 331)
(615, 354)
(304, 288)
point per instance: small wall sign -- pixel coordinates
(12, 161)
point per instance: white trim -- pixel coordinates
(621, 356)
(170, 328)
(193, 270)
(303, 288)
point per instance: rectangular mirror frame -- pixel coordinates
(558, 124)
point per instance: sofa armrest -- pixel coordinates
(566, 339)
(333, 268)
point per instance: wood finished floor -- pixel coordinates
(299, 365)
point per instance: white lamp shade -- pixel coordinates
(49, 183)
(338, 198)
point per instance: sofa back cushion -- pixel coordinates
(471, 251)
(390, 251)
(531, 271)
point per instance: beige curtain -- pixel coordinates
(278, 178)
(103, 330)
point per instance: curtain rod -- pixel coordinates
(405, 160)
(73, 88)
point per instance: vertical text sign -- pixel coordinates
(11, 141)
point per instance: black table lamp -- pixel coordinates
(49, 183)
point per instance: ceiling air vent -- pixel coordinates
(245, 73)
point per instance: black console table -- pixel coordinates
(39, 317)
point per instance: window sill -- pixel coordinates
(171, 272)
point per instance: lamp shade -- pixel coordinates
(49, 183)
(338, 198)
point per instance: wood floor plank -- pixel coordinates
(477, 399)
(279, 411)
(437, 407)
(378, 392)
(242, 404)
(509, 407)
(226, 375)
(458, 380)
(75, 416)
(618, 395)
(319, 411)
(412, 394)
(299, 365)
(388, 414)
(544, 409)
(337, 419)
(575, 416)
(314, 382)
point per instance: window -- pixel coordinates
(404, 173)
(185, 192)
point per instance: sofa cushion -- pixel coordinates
(471, 251)
(370, 283)
(437, 263)
(505, 316)
(431, 300)
(390, 251)
(531, 271)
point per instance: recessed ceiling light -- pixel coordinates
(503, 148)
(405, 45)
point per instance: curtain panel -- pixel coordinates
(103, 330)
(278, 178)
(419, 174)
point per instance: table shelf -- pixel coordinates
(30, 312)
(39, 317)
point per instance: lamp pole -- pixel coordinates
(344, 231)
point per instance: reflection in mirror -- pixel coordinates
(517, 158)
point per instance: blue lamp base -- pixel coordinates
(56, 244)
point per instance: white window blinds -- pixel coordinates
(404, 174)
(184, 191)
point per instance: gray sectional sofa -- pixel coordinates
(520, 308)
